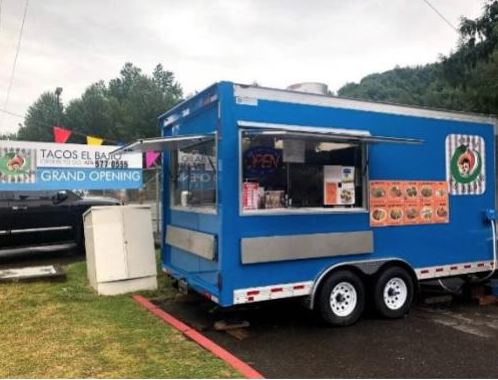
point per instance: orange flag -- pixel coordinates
(91, 140)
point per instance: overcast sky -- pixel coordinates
(72, 44)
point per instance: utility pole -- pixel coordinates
(58, 92)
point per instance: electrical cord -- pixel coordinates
(449, 289)
(493, 229)
(40, 123)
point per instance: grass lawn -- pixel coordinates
(65, 330)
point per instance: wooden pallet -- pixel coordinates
(485, 299)
(230, 325)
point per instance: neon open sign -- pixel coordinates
(260, 161)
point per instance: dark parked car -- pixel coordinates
(41, 221)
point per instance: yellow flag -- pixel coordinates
(90, 140)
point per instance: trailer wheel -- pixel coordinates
(393, 292)
(342, 298)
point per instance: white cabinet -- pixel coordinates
(120, 249)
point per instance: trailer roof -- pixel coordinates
(283, 95)
(291, 96)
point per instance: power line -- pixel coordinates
(15, 60)
(441, 15)
(4, 111)
(1, 6)
(11, 113)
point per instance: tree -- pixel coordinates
(92, 114)
(124, 109)
(8, 136)
(466, 80)
(479, 37)
(165, 81)
(42, 114)
(146, 99)
(120, 87)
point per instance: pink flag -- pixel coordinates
(150, 158)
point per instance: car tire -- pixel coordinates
(393, 292)
(342, 298)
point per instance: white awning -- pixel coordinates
(320, 133)
(156, 144)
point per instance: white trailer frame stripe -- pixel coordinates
(305, 288)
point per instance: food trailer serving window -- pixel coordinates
(289, 168)
(193, 175)
(192, 168)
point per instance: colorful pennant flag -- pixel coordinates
(61, 135)
(91, 140)
(150, 158)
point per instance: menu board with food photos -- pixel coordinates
(398, 203)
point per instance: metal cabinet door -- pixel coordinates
(109, 254)
(139, 242)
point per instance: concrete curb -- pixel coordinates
(244, 368)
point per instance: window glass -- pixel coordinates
(193, 175)
(38, 195)
(279, 173)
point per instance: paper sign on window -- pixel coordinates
(250, 196)
(339, 188)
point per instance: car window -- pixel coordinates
(47, 195)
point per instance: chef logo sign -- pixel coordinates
(465, 164)
(17, 165)
(49, 166)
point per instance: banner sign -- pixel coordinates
(51, 166)
(398, 203)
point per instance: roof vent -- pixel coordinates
(310, 87)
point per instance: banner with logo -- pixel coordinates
(51, 166)
(465, 163)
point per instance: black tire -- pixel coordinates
(392, 278)
(331, 311)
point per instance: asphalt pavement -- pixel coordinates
(285, 340)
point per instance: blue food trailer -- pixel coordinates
(270, 193)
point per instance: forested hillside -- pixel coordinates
(466, 80)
